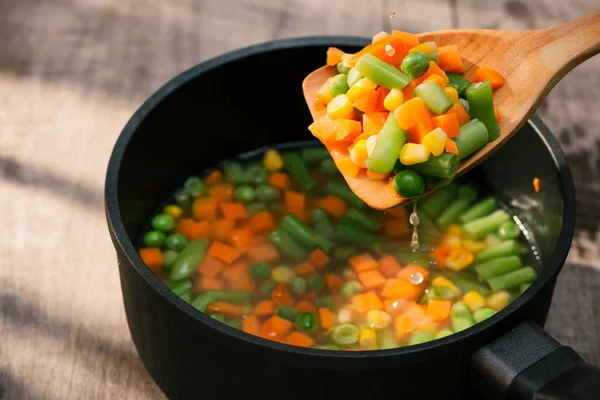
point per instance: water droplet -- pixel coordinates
(389, 50)
(432, 264)
(416, 278)
(392, 13)
(414, 219)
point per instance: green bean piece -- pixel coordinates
(465, 283)
(435, 57)
(341, 190)
(266, 288)
(188, 259)
(205, 299)
(255, 208)
(267, 193)
(169, 256)
(350, 231)
(353, 76)
(473, 136)
(338, 85)
(163, 222)
(257, 175)
(408, 184)
(435, 203)
(363, 219)
(443, 166)
(181, 287)
(287, 312)
(482, 314)
(415, 64)
(316, 283)
(443, 333)
(502, 249)
(390, 140)
(410, 257)
(154, 239)
(386, 340)
(483, 226)
(465, 104)
(466, 196)
(284, 242)
(176, 241)
(218, 316)
(434, 183)
(498, 266)
(382, 73)
(434, 97)
(315, 154)
(481, 107)
(343, 251)
(304, 234)
(345, 334)
(321, 223)
(234, 323)
(419, 337)
(459, 82)
(351, 288)
(187, 296)
(234, 172)
(297, 285)
(512, 279)
(298, 170)
(260, 271)
(480, 209)
(426, 225)
(437, 293)
(307, 322)
(329, 168)
(342, 69)
(326, 347)
(326, 302)
(509, 230)
(523, 287)
(460, 317)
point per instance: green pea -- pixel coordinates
(154, 239)
(338, 84)
(218, 316)
(176, 241)
(163, 222)
(257, 175)
(509, 230)
(194, 187)
(287, 312)
(192, 182)
(342, 69)
(351, 288)
(326, 302)
(182, 199)
(267, 193)
(307, 322)
(266, 288)
(255, 208)
(316, 283)
(245, 194)
(415, 64)
(297, 285)
(260, 271)
(408, 183)
(170, 256)
(234, 172)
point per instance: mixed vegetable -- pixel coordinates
(401, 109)
(280, 247)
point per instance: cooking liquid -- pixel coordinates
(414, 221)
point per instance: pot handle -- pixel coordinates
(526, 363)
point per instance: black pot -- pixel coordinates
(219, 109)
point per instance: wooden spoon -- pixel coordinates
(531, 62)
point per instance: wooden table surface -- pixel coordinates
(72, 73)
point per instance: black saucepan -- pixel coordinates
(252, 98)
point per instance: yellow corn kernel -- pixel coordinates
(340, 107)
(474, 246)
(380, 36)
(414, 153)
(344, 315)
(272, 160)
(358, 153)
(452, 93)
(371, 143)
(368, 339)
(324, 95)
(455, 229)
(441, 281)
(474, 300)
(498, 300)
(435, 141)
(459, 259)
(425, 48)
(393, 100)
(173, 210)
(454, 241)
(282, 274)
(378, 319)
(360, 88)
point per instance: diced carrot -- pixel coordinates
(410, 269)
(437, 79)
(411, 40)
(207, 283)
(417, 132)
(537, 184)
(242, 283)
(440, 253)
(305, 269)
(396, 306)
(323, 129)
(334, 56)
(265, 252)
(153, 258)
(383, 92)
(439, 310)
(327, 318)
(389, 266)
(226, 308)
(223, 191)
(242, 238)
(400, 289)
(299, 339)
(276, 328)
(434, 69)
(373, 122)
(333, 206)
(192, 229)
(305, 306)
(378, 49)
(264, 308)
(449, 59)
(333, 282)
(368, 102)
(210, 267)
(347, 130)
(319, 258)
(376, 175)
(221, 229)
(251, 325)
(419, 318)
(281, 296)
(461, 113)
(205, 208)
(398, 212)
(311, 295)
(395, 228)
(363, 262)
(294, 200)
(262, 222)
(233, 211)
(490, 74)
(371, 279)
(214, 177)
(448, 123)
(497, 115)
(366, 302)
(232, 271)
(411, 112)
(300, 213)
(347, 167)
(409, 93)
(279, 180)
(451, 146)
(403, 326)
(223, 252)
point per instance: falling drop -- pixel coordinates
(389, 50)
(414, 221)
(416, 278)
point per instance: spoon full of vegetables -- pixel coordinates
(412, 141)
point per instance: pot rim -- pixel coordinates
(270, 349)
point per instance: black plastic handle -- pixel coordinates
(528, 364)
